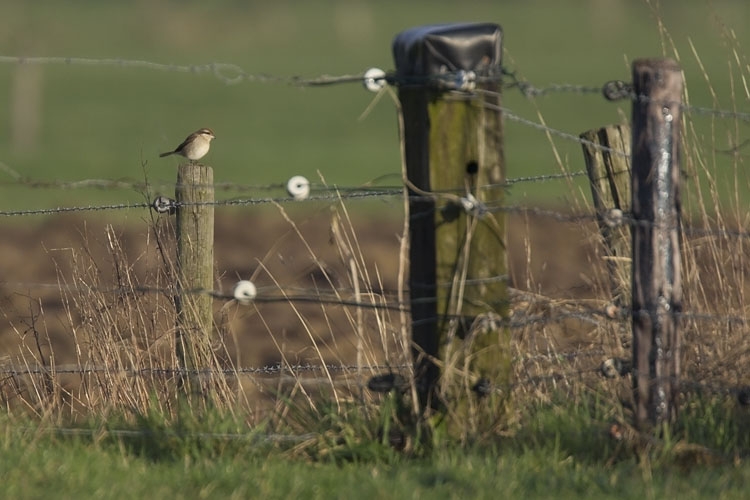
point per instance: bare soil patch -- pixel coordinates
(545, 256)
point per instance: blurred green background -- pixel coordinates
(72, 122)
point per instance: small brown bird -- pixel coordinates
(195, 146)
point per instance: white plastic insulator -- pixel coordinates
(613, 217)
(244, 292)
(611, 368)
(163, 205)
(472, 205)
(466, 81)
(469, 203)
(298, 187)
(374, 79)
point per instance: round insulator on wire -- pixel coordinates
(244, 292)
(374, 79)
(615, 367)
(473, 206)
(164, 205)
(298, 187)
(469, 203)
(613, 217)
(610, 367)
(465, 80)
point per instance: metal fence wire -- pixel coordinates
(604, 361)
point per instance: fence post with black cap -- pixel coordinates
(449, 79)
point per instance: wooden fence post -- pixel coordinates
(453, 149)
(607, 156)
(657, 281)
(194, 194)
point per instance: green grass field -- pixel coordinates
(562, 452)
(105, 122)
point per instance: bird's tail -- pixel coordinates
(166, 154)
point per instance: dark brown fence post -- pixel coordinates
(194, 193)
(449, 90)
(607, 155)
(657, 282)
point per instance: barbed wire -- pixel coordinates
(559, 367)
(336, 194)
(594, 358)
(617, 90)
(545, 177)
(322, 193)
(353, 195)
(227, 73)
(62, 210)
(611, 90)
(273, 369)
(385, 300)
(558, 133)
(234, 74)
(230, 74)
(257, 438)
(140, 186)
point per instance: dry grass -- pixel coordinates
(120, 317)
(123, 331)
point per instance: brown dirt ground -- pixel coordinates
(56, 308)
(57, 305)
(546, 256)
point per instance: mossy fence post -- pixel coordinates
(449, 92)
(194, 195)
(657, 281)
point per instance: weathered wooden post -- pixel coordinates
(194, 194)
(606, 152)
(449, 90)
(657, 281)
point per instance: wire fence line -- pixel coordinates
(320, 192)
(740, 393)
(231, 74)
(386, 300)
(256, 437)
(227, 73)
(327, 193)
(566, 361)
(63, 210)
(275, 369)
(163, 204)
(568, 368)
(234, 74)
(140, 186)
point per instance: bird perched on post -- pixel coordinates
(195, 146)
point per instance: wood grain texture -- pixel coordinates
(657, 282)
